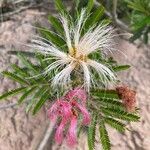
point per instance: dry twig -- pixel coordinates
(9, 14)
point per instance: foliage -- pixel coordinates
(35, 87)
(104, 136)
(140, 19)
(134, 14)
(35, 91)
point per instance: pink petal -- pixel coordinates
(85, 113)
(77, 92)
(60, 108)
(71, 136)
(59, 131)
(66, 109)
(52, 112)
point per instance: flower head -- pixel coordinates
(68, 109)
(128, 97)
(79, 49)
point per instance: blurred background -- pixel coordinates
(18, 18)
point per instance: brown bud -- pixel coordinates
(128, 97)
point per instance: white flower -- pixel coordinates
(97, 38)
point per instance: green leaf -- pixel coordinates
(24, 73)
(40, 57)
(76, 2)
(120, 114)
(55, 39)
(140, 22)
(20, 71)
(26, 94)
(89, 6)
(105, 93)
(106, 21)
(104, 136)
(146, 34)
(121, 68)
(115, 124)
(95, 17)
(12, 92)
(80, 5)
(91, 132)
(36, 96)
(145, 38)
(60, 7)
(140, 6)
(41, 102)
(14, 77)
(24, 53)
(27, 63)
(56, 24)
(137, 34)
(110, 103)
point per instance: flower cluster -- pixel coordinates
(128, 97)
(97, 38)
(67, 108)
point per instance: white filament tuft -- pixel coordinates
(96, 38)
(99, 38)
(67, 31)
(63, 77)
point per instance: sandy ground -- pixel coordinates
(19, 131)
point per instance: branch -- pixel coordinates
(17, 11)
(23, 8)
(118, 22)
(114, 12)
(47, 136)
(19, 1)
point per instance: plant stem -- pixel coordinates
(118, 22)
(47, 136)
(114, 11)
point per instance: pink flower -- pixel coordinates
(71, 136)
(60, 108)
(82, 96)
(59, 132)
(78, 93)
(85, 113)
(67, 109)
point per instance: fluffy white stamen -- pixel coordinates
(87, 78)
(78, 28)
(63, 77)
(97, 38)
(102, 71)
(67, 31)
(48, 49)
